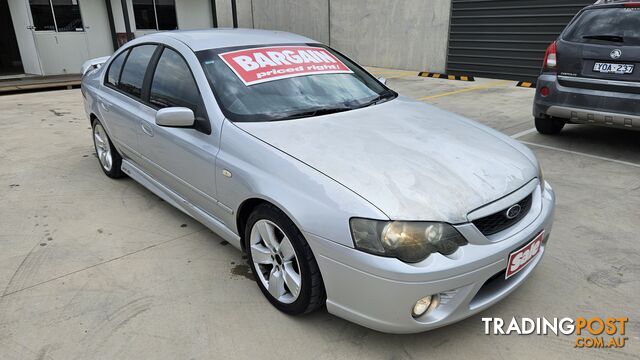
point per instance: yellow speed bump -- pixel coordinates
(446, 76)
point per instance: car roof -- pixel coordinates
(228, 37)
(611, 3)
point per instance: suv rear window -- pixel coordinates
(606, 26)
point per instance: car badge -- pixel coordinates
(513, 211)
(616, 54)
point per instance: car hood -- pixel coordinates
(411, 160)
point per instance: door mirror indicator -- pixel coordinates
(175, 117)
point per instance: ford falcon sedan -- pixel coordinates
(397, 215)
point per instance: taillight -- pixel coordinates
(632, 5)
(550, 57)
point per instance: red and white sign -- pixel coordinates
(520, 258)
(258, 65)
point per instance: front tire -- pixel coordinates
(282, 262)
(549, 126)
(108, 157)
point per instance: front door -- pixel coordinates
(10, 61)
(183, 159)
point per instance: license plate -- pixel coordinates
(610, 68)
(523, 256)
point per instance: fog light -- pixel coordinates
(421, 307)
(545, 91)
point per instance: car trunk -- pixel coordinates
(595, 47)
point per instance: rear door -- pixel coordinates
(603, 44)
(120, 104)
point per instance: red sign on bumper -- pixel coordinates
(521, 257)
(258, 65)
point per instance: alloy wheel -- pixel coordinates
(103, 148)
(275, 261)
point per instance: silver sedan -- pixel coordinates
(397, 215)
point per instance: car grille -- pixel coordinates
(499, 221)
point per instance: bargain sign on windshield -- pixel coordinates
(258, 65)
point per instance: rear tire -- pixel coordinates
(282, 262)
(108, 157)
(549, 126)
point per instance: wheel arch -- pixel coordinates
(244, 211)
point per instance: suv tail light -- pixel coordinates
(550, 58)
(632, 5)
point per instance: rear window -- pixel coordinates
(606, 26)
(135, 68)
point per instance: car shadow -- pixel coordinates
(610, 143)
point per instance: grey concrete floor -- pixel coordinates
(93, 268)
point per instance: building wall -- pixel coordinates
(403, 34)
(305, 17)
(223, 8)
(193, 14)
(245, 13)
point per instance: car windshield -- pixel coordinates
(296, 94)
(606, 26)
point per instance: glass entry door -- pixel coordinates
(10, 60)
(59, 34)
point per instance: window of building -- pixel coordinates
(155, 14)
(56, 15)
(135, 68)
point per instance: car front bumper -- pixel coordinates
(380, 293)
(586, 106)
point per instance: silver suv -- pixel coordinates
(590, 74)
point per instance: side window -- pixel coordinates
(173, 84)
(134, 69)
(113, 75)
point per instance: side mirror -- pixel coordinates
(382, 80)
(175, 117)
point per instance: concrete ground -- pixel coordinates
(93, 268)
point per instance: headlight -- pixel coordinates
(408, 241)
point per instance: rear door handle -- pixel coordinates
(104, 105)
(146, 128)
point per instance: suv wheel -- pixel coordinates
(549, 126)
(282, 262)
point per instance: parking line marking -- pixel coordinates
(523, 133)
(467, 89)
(582, 154)
(399, 76)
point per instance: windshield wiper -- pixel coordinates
(332, 110)
(376, 100)
(613, 38)
(316, 112)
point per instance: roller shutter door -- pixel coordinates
(505, 39)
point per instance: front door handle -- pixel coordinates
(146, 128)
